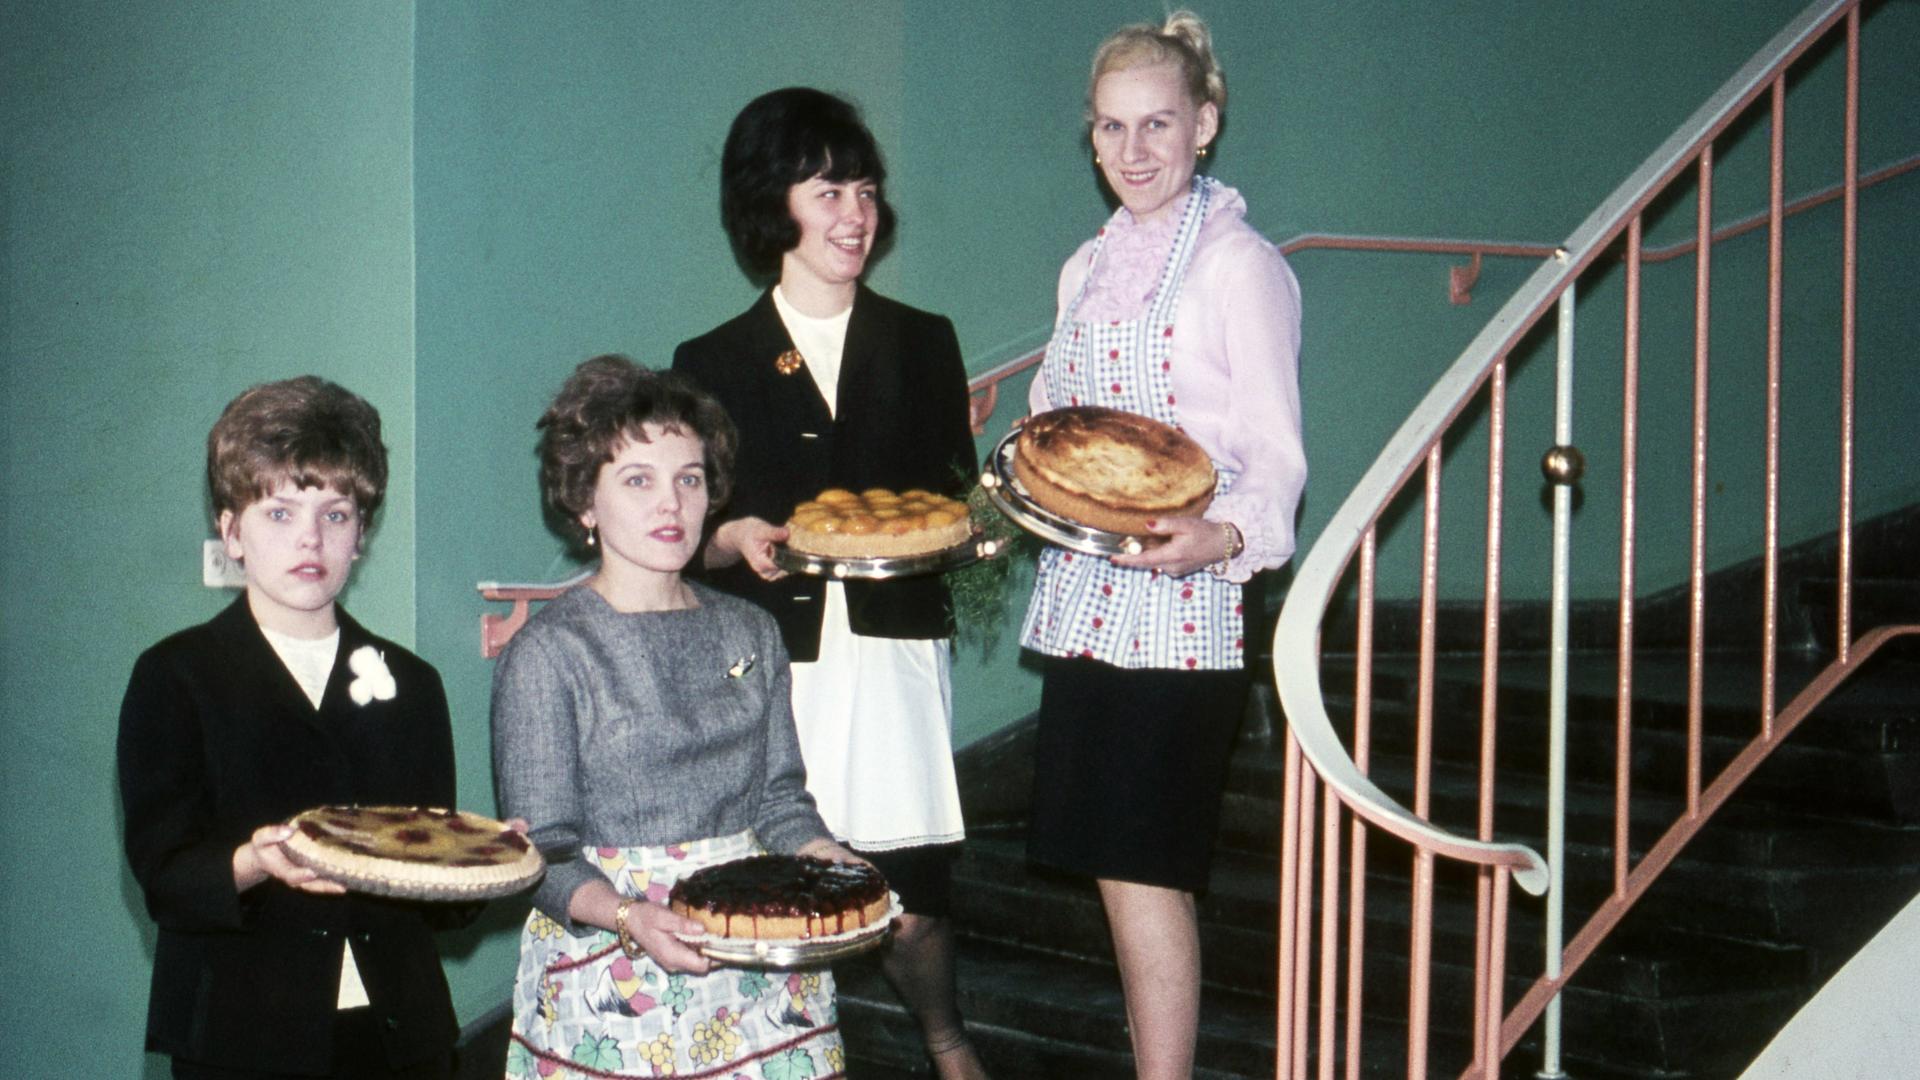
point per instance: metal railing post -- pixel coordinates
(1562, 466)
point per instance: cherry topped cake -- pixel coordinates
(414, 851)
(782, 897)
(877, 523)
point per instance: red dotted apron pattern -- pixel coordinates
(1083, 605)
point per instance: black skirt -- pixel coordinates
(922, 875)
(1129, 769)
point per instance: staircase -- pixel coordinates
(1814, 854)
(1037, 982)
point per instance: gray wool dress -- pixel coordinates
(645, 746)
(644, 729)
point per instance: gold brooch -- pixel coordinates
(788, 362)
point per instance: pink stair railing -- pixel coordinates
(1334, 815)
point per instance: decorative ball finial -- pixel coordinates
(1563, 465)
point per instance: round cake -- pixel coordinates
(1111, 469)
(782, 897)
(876, 523)
(414, 851)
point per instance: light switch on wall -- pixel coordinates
(216, 570)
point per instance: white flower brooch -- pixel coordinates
(742, 666)
(372, 681)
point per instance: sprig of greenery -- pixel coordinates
(980, 589)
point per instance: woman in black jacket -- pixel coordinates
(279, 704)
(834, 385)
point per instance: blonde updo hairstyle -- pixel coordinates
(1183, 40)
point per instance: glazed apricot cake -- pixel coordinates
(877, 523)
(414, 851)
(1111, 469)
(782, 897)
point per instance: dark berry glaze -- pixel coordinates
(781, 886)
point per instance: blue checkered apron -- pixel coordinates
(1083, 605)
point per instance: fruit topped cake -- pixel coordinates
(414, 851)
(782, 897)
(877, 523)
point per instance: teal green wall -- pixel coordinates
(1888, 393)
(198, 197)
(447, 205)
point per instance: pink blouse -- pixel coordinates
(1236, 359)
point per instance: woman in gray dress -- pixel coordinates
(644, 721)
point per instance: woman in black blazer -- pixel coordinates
(262, 969)
(833, 385)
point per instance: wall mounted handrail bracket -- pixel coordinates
(497, 630)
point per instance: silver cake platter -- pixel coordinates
(880, 568)
(1010, 497)
(795, 952)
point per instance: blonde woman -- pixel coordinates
(1178, 310)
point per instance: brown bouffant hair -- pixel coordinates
(1183, 40)
(310, 431)
(605, 403)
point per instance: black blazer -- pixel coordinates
(901, 423)
(217, 739)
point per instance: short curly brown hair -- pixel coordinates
(313, 432)
(606, 402)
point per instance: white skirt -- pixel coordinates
(875, 717)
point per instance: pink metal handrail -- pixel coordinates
(1317, 760)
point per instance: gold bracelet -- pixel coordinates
(1235, 545)
(620, 926)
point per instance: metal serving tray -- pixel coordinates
(1010, 497)
(880, 568)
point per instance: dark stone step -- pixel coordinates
(1760, 872)
(999, 898)
(1669, 1032)
(1035, 1014)
(1751, 831)
(1884, 548)
(1875, 601)
(1859, 753)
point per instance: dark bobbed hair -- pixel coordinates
(313, 432)
(781, 139)
(605, 403)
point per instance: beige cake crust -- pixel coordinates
(785, 927)
(1111, 469)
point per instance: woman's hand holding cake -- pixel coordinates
(748, 538)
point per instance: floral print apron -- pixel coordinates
(583, 1009)
(1083, 605)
